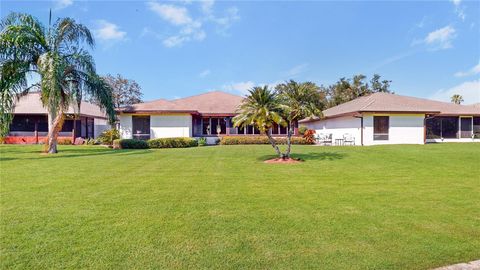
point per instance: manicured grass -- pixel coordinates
(384, 207)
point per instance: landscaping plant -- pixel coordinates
(309, 136)
(108, 136)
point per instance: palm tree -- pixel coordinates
(262, 109)
(57, 54)
(299, 101)
(457, 99)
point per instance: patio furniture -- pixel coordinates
(348, 139)
(339, 141)
(323, 139)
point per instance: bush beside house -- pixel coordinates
(129, 144)
(172, 143)
(235, 140)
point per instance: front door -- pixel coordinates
(465, 127)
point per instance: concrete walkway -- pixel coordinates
(473, 265)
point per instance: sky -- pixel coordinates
(174, 49)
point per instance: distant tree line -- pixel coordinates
(346, 89)
(124, 91)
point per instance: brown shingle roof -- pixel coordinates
(31, 104)
(216, 102)
(384, 102)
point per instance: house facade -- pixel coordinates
(30, 122)
(383, 118)
(206, 115)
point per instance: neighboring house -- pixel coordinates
(383, 118)
(30, 121)
(206, 115)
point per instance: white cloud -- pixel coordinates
(470, 91)
(178, 16)
(296, 70)
(225, 22)
(241, 87)
(441, 38)
(473, 71)
(456, 2)
(393, 59)
(459, 9)
(107, 31)
(191, 28)
(61, 4)
(207, 6)
(204, 73)
(173, 14)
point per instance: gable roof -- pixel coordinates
(32, 104)
(215, 102)
(393, 103)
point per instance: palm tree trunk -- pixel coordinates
(55, 123)
(289, 140)
(273, 143)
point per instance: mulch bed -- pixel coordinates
(283, 161)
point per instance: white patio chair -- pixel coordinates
(348, 139)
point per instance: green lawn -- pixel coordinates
(384, 207)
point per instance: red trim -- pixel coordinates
(217, 114)
(30, 139)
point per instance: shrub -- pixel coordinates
(64, 141)
(92, 141)
(129, 144)
(234, 140)
(202, 141)
(107, 136)
(172, 143)
(309, 136)
(302, 130)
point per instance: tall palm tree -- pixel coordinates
(58, 54)
(262, 109)
(457, 99)
(299, 101)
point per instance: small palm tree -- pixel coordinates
(57, 54)
(299, 101)
(457, 99)
(262, 109)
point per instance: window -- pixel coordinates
(275, 129)
(206, 128)
(380, 127)
(220, 126)
(476, 127)
(434, 128)
(442, 127)
(141, 127)
(450, 127)
(466, 127)
(23, 123)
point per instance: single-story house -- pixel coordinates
(206, 115)
(30, 121)
(383, 118)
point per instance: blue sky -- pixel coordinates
(179, 48)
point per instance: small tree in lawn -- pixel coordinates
(298, 101)
(262, 109)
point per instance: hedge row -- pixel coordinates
(172, 143)
(234, 140)
(129, 144)
(154, 143)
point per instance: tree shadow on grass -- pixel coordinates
(309, 156)
(77, 152)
